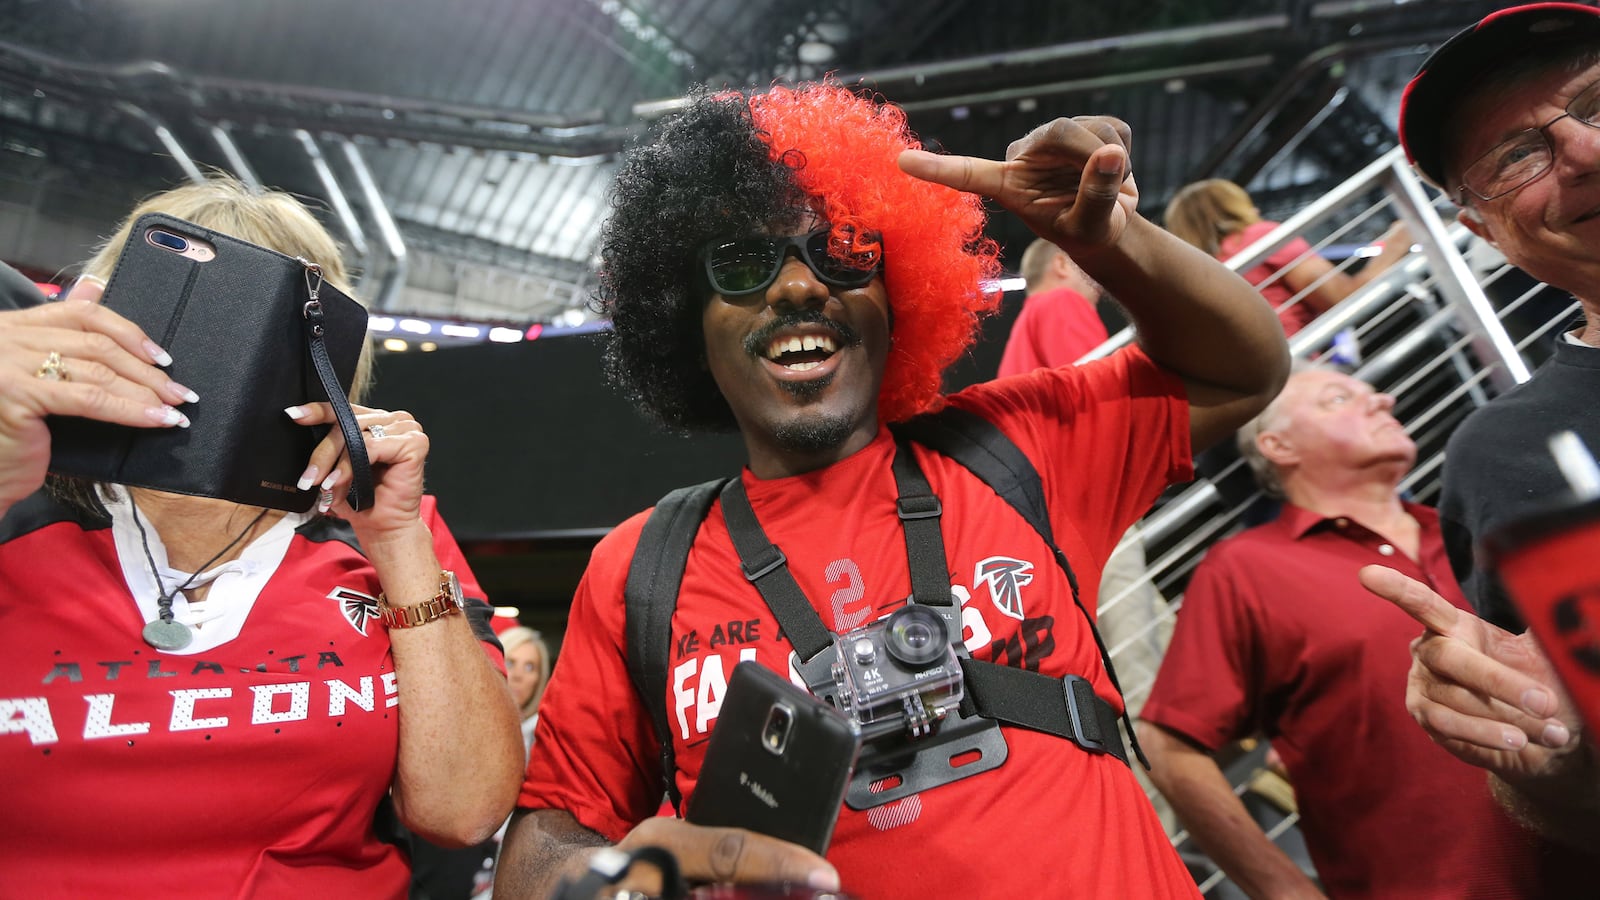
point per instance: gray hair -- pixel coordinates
(1270, 419)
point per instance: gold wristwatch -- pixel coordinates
(442, 604)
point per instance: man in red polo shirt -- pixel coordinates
(1278, 638)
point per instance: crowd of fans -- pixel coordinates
(271, 702)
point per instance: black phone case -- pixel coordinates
(794, 793)
(236, 331)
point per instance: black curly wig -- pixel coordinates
(705, 174)
(735, 163)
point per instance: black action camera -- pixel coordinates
(899, 674)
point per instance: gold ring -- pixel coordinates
(53, 369)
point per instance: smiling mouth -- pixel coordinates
(800, 341)
(800, 353)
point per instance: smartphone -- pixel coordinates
(778, 762)
(231, 313)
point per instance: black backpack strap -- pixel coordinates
(985, 451)
(1065, 707)
(651, 596)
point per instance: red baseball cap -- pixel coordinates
(1463, 61)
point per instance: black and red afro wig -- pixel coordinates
(733, 163)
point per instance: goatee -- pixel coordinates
(813, 434)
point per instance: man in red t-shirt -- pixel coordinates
(788, 264)
(1058, 323)
(1278, 638)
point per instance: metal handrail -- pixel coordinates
(1430, 334)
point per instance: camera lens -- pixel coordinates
(168, 240)
(775, 736)
(916, 636)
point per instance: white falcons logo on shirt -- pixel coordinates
(358, 608)
(1005, 577)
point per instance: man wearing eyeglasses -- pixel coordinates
(1505, 117)
(789, 264)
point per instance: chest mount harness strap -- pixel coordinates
(889, 769)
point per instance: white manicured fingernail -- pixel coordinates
(166, 415)
(325, 501)
(184, 392)
(157, 355)
(306, 479)
(296, 413)
(333, 478)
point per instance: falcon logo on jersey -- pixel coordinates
(1005, 577)
(358, 608)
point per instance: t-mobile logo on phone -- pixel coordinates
(761, 793)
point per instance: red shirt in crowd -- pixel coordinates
(1277, 292)
(1277, 637)
(1055, 328)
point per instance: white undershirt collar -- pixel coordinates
(235, 584)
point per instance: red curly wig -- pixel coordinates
(844, 148)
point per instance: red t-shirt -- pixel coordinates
(1105, 437)
(1277, 637)
(1055, 328)
(1277, 292)
(250, 769)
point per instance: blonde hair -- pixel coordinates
(512, 638)
(1205, 212)
(271, 219)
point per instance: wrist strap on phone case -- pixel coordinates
(360, 494)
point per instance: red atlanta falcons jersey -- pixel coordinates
(251, 764)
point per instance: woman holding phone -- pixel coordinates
(237, 697)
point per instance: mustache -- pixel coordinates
(757, 341)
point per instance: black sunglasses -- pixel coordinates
(739, 266)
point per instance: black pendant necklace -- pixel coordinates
(167, 633)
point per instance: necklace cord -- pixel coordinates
(163, 598)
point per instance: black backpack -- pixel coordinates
(1066, 707)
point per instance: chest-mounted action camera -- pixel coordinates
(899, 674)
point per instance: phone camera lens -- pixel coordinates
(168, 240)
(776, 735)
